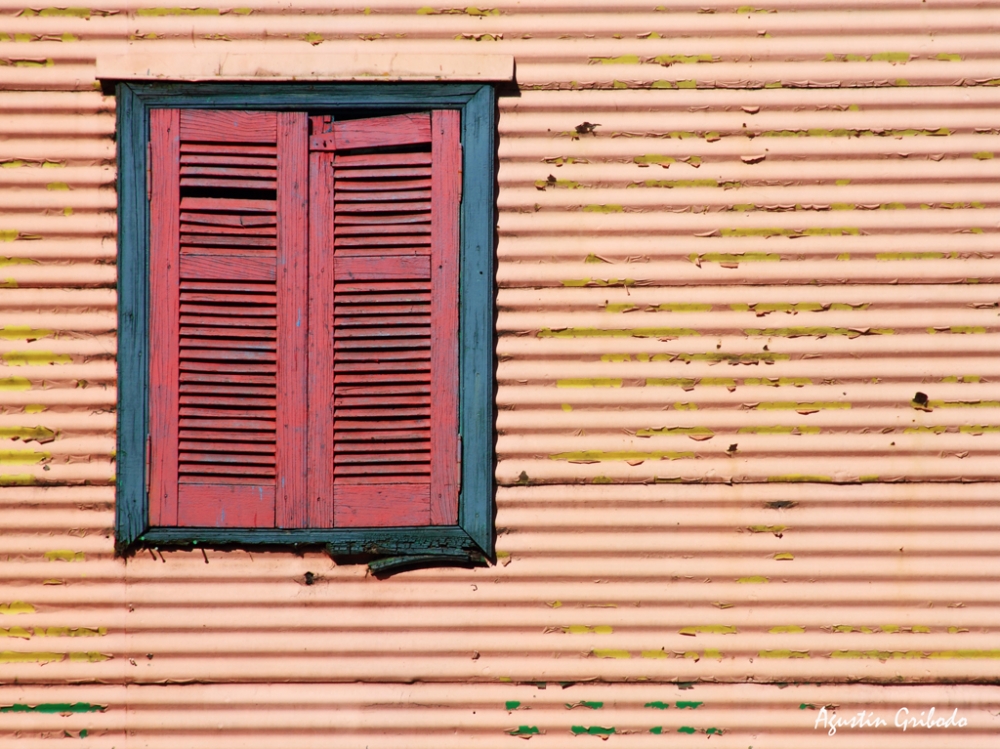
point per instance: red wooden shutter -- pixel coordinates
(384, 305)
(227, 307)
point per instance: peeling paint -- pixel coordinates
(613, 333)
(38, 434)
(582, 629)
(597, 456)
(712, 629)
(23, 333)
(34, 358)
(592, 730)
(22, 457)
(618, 654)
(54, 708)
(64, 555)
(592, 382)
(783, 654)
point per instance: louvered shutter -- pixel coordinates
(228, 254)
(384, 309)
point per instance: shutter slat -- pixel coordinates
(228, 126)
(383, 162)
(347, 186)
(246, 205)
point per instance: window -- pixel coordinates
(306, 323)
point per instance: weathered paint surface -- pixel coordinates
(748, 414)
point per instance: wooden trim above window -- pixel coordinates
(365, 68)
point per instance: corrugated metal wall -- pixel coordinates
(748, 412)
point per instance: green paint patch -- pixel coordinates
(730, 258)
(16, 607)
(582, 629)
(586, 704)
(654, 158)
(978, 429)
(880, 655)
(512, 705)
(55, 708)
(22, 457)
(54, 12)
(658, 705)
(683, 307)
(687, 383)
(761, 308)
(892, 256)
(787, 629)
(177, 12)
(592, 730)
(34, 358)
(667, 60)
(591, 382)
(28, 434)
(815, 331)
(799, 478)
(524, 731)
(617, 654)
(613, 333)
(703, 432)
(753, 580)
(689, 705)
(39, 63)
(598, 456)
(991, 655)
(732, 358)
(23, 333)
(64, 555)
(561, 184)
(783, 654)
(10, 656)
(711, 629)
(686, 729)
(775, 382)
(609, 208)
(71, 631)
(810, 406)
(17, 479)
(621, 60)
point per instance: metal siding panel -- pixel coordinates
(672, 307)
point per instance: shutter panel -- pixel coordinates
(227, 290)
(384, 301)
